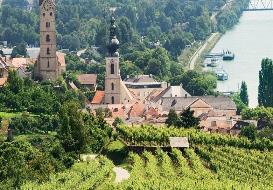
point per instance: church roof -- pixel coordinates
(98, 98)
(86, 79)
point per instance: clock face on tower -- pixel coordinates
(47, 5)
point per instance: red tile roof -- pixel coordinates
(98, 98)
(87, 79)
(3, 81)
(61, 58)
(137, 110)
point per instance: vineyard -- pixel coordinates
(159, 136)
(207, 165)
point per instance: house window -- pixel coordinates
(113, 86)
(47, 24)
(112, 69)
(48, 51)
(47, 38)
(113, 100)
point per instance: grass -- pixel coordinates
(6, 115)
(210, 46)
(186, 55)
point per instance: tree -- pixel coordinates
(118, 121)
(187, 119)
(244, 94)
(172, 118)
(265, 97)
(19, 50)
(250, 132)
(72, 133)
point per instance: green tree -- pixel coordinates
(244, 94)
(187, 119)
(72, 133)
(265, 97)
(250, 132)
(19, 50)
(172, 118)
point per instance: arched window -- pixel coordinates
(48, 38)
(51, 13)
(113, 100)
(113, 86)
(112, 69)
(43, 14)
(48, 51)
(47, 24)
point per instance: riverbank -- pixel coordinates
(195, 62)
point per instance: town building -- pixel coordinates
(142, 99)
(87, 81)
(50, 64)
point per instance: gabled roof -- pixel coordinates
(199, 103)
(171, 91)
(98, 98)
(216, 102)
(141, 79)
(86, 79)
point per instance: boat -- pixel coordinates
(213, 62)
(221, 74)
(228, 56)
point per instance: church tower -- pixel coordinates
(47, 67)
(112, 76)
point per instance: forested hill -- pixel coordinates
(82, 23)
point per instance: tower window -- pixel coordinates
(47, 38)
(112, 68)
(48, 64)
(47, 24)
(113, 86)
(113, 100)
(48, 51)
(51, 13)
(43, 14)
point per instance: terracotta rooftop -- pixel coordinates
(61, 58)
(87, 79)
(98, 98)
(136, 110)
(3, 81)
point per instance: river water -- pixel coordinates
(251, 40)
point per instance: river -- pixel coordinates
(251, 41)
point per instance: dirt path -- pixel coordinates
(121, 174)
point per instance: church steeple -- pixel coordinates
(113, 41)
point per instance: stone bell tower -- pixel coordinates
(47, 67)
(112, 76)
